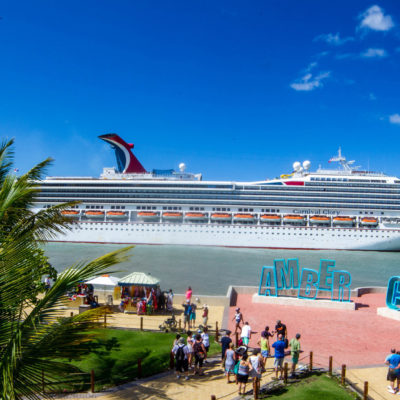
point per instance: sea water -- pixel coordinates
(210, 270)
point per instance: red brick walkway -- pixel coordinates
(354, 338)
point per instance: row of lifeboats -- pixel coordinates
(273, 219)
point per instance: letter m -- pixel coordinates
(286, 274)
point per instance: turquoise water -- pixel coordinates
(210, 270)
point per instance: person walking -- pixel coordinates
(243, 373)
(264, 345)
(188, 294)
(393, 361)
(245, 335)
(170, 301)
(181, 352)
(192, 316)
(230, 362)
(205, 315)
(238, 318)
(200, 355)
(225, 343)
(206, 339)
(257, 364)
(186, 314)
(281, 329)
(190, 342)
(295, 352)
(279, 347)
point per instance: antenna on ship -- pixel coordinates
(346, 165)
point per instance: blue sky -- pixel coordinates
(237, 91)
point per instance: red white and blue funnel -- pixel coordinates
(126, 161)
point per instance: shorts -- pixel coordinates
(181, 366)
(205, 320)
(185, 318)
(295, 358)
(198, 360)
(207, 348)
(192, 316)
(392, 375)
(229, 368)
(245, 340)
(265, 353)
(242, 378)
(278, 362)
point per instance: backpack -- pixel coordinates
(198, 350)
(180, 354)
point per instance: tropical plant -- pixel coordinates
(36, 338)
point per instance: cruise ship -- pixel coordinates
(342, 208)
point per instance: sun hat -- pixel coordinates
(205, 306)
(238, 309)
(187, 301)
(181, 340)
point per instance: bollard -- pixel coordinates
(237, 339)
(255, 388)
(171, 360)
(365, 394)
(285, 373)
(43, 389)
(180, 324)
(343, 378)
(139, 368)
(330, 365)
(213, 397)
(92, 380)
(141, 323)
(311, 360)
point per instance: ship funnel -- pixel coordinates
(126, 161)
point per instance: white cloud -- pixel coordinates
(309, 82)
(335, 40)
(375, 19)
(374, 53)
(311, 66)
(394, 119)
(372, 97)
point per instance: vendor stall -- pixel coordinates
(104, 283)
(139, 293)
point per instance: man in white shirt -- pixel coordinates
(181, 351)
(246, 333)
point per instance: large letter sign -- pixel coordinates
(393, 293)
(308, 282)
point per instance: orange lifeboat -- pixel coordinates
(320, 220)
(294, 219)
(345, 221)
(221, 217)
(270, 218)
(193, 216)
(116, 214)
(94, 214)
(369, 221)
(147, 215)
(172, 216)
(70, 213)
(243, 218)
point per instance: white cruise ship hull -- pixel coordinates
(257, 236)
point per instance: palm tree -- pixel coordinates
(35, 338)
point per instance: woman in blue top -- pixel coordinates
(243, 373)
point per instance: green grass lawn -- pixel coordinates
(314, 388)
(115, 353)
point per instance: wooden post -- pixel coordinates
(255, 388)
(343, 379)
(139, 368)
(285, 373)
(311, 360)
(43, 388)
(213, 397)
(216, 331)
(365, 394)
(171, 360)
(330, 365)
(72, 313)
(141, 323)
(237, 338)
(92, 380)
(180, 324)
(105, 320)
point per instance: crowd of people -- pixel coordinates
(240, 363)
